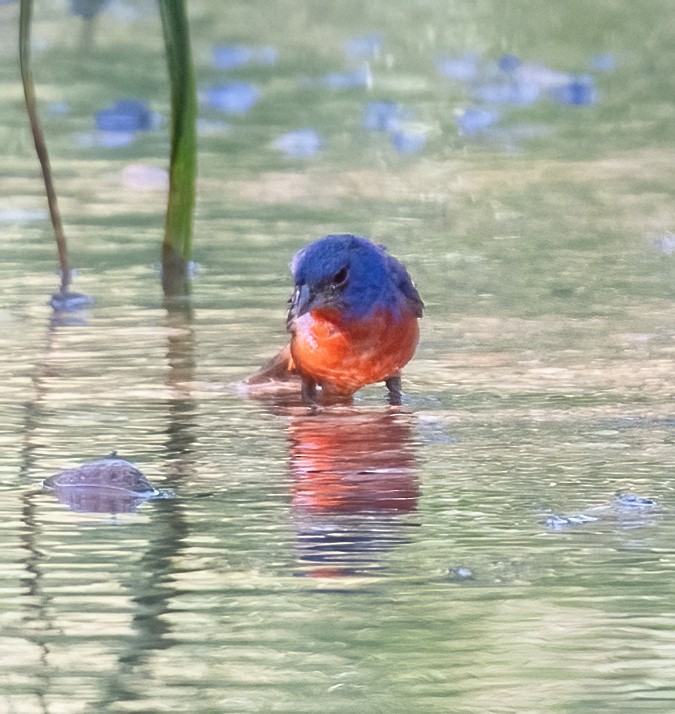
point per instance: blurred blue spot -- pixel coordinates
(231, 98)
(366, 46)
(475, 120)
(508, 63)
(125, 115)
(602, 62)
(88, 9)
(299, 143)
(382, 116)
(408, 141)
(347, 80)
(532, 74)
(517, 93)
(267, 55)
(665, 244)
(232, 56)
(57, 108)
(580, 91)
(463, 68)
(114, 139)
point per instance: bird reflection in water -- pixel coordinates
(354, 481)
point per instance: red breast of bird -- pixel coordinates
(344, 356)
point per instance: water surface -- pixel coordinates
(362, 558)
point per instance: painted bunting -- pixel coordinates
(353, 319)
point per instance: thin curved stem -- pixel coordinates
(25, 16)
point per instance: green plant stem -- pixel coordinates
(25, 17)
(177, 245)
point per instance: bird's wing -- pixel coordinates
(405, 286)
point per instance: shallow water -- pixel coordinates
(466, 552)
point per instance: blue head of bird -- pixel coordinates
(351, 276)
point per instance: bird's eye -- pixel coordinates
(340, 277)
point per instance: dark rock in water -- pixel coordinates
(110, 485)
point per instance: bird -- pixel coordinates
(353, 320)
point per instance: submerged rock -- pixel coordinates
(557, 522)
(70, 302)
(628, 500)
(110, 485)
(624, 508)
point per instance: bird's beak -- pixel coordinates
(305, 300)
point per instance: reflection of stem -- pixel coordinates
(37, 615)
(181, 360)
(25, 16)
(152, 591)
(37, 612)
(87, 34)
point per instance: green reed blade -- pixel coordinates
(177, 246)
(25, 17)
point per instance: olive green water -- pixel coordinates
(358, 559)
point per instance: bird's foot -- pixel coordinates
(395, 390)
(308, 391)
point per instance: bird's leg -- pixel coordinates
(308, 390)
(393, 384)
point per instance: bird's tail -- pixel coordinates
(280, 368)
(276, 375)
